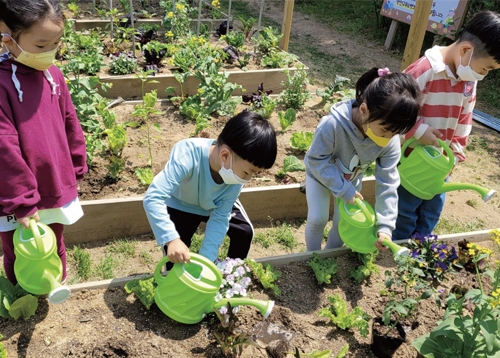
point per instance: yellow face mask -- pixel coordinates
(380, 141)
(38, 61)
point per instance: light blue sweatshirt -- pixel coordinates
(186, 184)
(340, 154)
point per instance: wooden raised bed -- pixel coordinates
(276, 261)
(117, 218)
(129, 86)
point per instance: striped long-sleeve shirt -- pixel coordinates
(447, 102)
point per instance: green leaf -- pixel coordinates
(291, 164)
(145, 175)
(343, 352)
(287, 119)
(489, 330)
(301, 140)
(24, 307)
(323, 269)
(143, 288)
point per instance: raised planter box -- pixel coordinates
(276, 261)
(118, 218)
(129, 86)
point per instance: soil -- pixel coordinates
(111, 323)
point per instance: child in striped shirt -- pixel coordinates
(447, 77)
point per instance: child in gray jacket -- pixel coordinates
(355, 134)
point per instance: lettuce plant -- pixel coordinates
(287, 118)
(266, 275)
(301, 140)
(291, 164)
(15, 302)
(323, 269)
(339, 316)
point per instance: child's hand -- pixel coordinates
(177, 251)
(381, 237)
(357, 195)
(78, 184)
(25, 221)
(430, 137)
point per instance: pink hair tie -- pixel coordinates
(383, 71)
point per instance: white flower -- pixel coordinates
(223, 310)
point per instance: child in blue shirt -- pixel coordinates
(201, 182)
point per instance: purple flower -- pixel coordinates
(443, 266)
(419, 238)
(441, 255)
(415, 253)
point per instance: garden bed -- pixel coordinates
(102, 320)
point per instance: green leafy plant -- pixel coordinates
(143, 288)
(336, 92)
(291, 164)
(234, 38)
(3, 351)
(267, 40)
(247, 26)
(15, 302)
(468, 333)
(301, 140)
(278, 59)
(412, 279)
(123, 64)
(177, 18)
(295, 94)
(287, 118)
(266, 275)
(74, 8)
(323, 269)
(264, 107)
(82, 261)
(340, 317)
(367, 267)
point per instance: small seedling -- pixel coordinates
(124, 247)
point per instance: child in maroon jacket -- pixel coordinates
(43, 156)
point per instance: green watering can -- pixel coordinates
(357, 228)
(188, 291)
(424, 170)
(38, 268)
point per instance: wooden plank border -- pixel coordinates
(129, 86)
(277, 261)
(117, 218)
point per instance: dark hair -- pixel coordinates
(20, 15)
(392, 98)
(252, 138)
(483, 31)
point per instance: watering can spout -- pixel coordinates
(485, 193)
(395, 248)
(264, 307)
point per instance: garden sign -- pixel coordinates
(445, 18)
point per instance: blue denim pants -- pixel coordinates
(416, 215)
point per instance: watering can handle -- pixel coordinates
(403, 148)
(157, 274)
(449, 153)
(363, 207)
(36, 234)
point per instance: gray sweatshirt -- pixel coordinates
(340, 154)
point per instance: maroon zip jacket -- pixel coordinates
(42, 147)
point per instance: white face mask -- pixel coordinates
(228, 175)
(466, 73)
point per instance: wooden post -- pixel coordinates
(286, 26)
(391, 34)
(417, 32)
